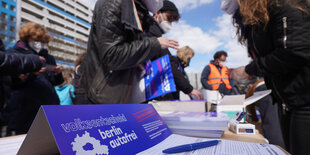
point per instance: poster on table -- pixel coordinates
(95, 129)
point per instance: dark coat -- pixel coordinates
(180, 77)
(13, 64)
(281, 54)
(116, 47)
(28, 95)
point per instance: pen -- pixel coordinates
(190, 147)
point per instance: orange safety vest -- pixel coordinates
(216, 78)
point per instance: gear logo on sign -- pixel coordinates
(80, 142)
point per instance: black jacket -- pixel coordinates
(179, 74)
(282, 54)
(28, 95)
(116, 47)
(13, 64)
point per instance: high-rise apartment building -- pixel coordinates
(68, 21)
(8, 21)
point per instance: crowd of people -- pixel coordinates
(125, 35)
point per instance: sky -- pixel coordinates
(206, 29)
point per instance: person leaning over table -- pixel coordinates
(162, 24)
(117, 46)
(277, 33)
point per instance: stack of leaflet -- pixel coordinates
(199, 124)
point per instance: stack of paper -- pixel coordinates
(184, 106)
(231, 104)
(212, 96)
(202, 124)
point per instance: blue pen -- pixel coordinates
(190, 147)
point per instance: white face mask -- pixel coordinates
(37, 46)
(229, 6)
(222, 63)
(165, 25)
(154, 5)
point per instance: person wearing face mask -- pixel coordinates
(117, 46)
(215, 75)
(162, 24)
(31, 90)
(180, 62)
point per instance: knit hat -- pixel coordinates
(169, 6)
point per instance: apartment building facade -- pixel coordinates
(68, 21)
(8, 21)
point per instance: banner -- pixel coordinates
(95, 129)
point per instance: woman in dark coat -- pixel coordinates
(13, 64)
(30, 91)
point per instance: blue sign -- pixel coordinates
(98, 129)
(160, 81)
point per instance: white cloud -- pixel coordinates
(237, 54)
(223, 37)
(194, 37)
(190, 4)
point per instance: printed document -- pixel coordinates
(225, 147)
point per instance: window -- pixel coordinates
(12, 39)
(12, 29)
(3, 27)
(3, 16)
(12, 19)
(12, 8)
(4, 5)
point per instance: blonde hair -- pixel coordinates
(183, 52)
(33, 31)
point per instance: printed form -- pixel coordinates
(225, 147)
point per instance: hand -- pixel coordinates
(42, 70)
(239, 74)
(197, 94)
(22, 76)
(141, 67)
(57, 70)
(166, 43)
(42, 59)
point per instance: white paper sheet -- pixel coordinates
(225, 147)
(233, 100)
(256, 96)
(10, 145)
